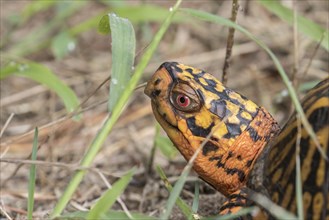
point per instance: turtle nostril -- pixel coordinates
(148, 89)
(155, 93)
(157, 81)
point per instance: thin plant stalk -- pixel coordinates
(299, 187)
(230, 42)
(30, 201)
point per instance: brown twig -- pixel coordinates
(246, 8)
(6, 124)
(120, 201)
(65, 117)
(294, 76)
(4, 212)
(312, 56)
(21, 164)
(93, 93)
(230, 42)
(70, 167)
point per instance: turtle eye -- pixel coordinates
(183, 100)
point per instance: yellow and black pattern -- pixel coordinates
(280, 169)
(192, 105)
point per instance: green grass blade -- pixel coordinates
(299, 185)
(232, 216)
(146, 13)
(274, 209)
(37, 38)
(180, 203)
(195, 203)
(123, 55)
(104, 26)
(174, 194)
(220, 20)
(33, 8)
(109, 123)
(44, 76)
(112, 214)
(62, 44)
(138, 14)
(109, 197)
(166, 146)
(306, 26)
(30, 202)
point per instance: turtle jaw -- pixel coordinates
(175, 135)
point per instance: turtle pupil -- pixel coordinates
(183, 101)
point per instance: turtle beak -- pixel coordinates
(149, 88)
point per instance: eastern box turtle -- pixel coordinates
(192, 106)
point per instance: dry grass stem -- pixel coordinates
(309, 63)
(230, 42)
(6, 124)
(123, 205)
(294, 76)
(3, 211)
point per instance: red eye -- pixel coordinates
(183, 100)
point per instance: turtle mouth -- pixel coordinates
(162, 118)
(174, 133)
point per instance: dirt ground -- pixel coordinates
(64, 142)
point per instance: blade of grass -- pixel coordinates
(306, 26)
(174, 194)
(166, 146)
(110, 121)
(152, 154)
(109, 197)
(30, 202)
(195, 203)
(299, 188)
(19, 19)
(236, 215)
(117, 215)
(145, 13)
(37, 37)
(137, 14)
(44, 76)
(62, 44)
(123, 55)
(274, 209)
(35, 7)
(219, 20)
(180, 203)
